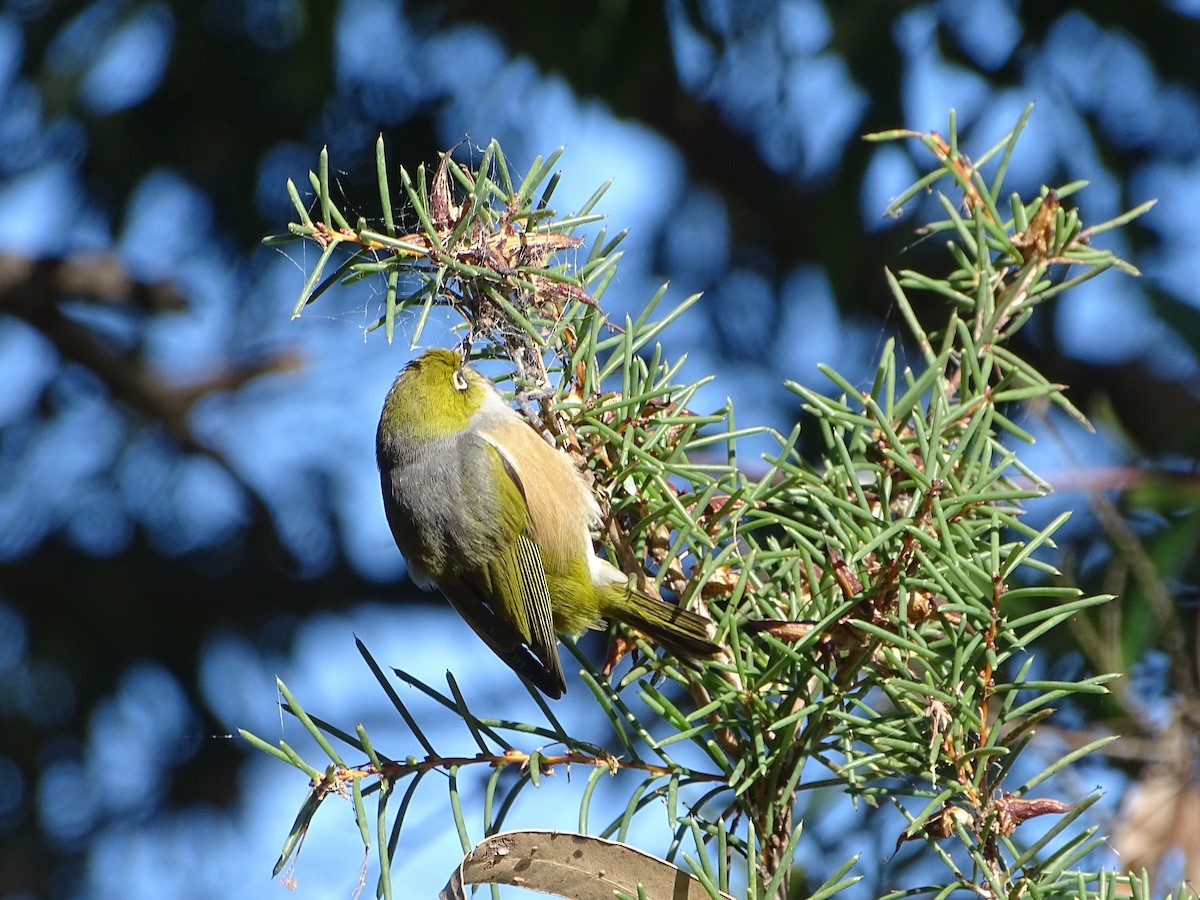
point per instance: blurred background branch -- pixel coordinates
(35, 290)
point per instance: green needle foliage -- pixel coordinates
(876, 603)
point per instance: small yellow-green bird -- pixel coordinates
(489, 513)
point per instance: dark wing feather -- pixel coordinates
(538, 612)
(505, 641)
(513, 593)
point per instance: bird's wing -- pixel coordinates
(525, 557)
(518, 579)
(504, 639)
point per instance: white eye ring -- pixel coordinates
(460, 383)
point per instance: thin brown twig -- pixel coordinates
(395, 770)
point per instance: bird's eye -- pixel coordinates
(460, 383)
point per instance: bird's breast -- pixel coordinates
(443, 515)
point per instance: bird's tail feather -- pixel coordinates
(682, 632)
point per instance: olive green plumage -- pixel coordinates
(498, 520)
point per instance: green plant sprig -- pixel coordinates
(879, 604)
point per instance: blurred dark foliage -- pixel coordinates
(242, 77)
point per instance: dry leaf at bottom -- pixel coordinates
(571, 865)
